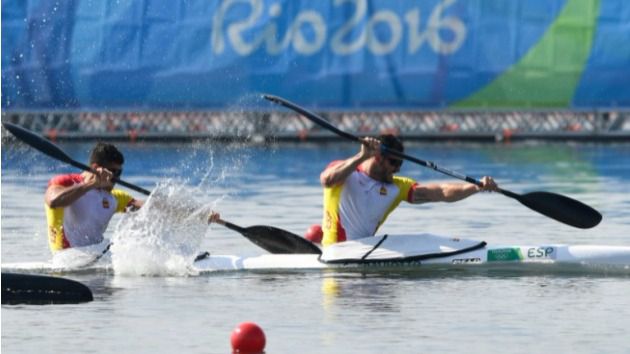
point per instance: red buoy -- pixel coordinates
(248, 338)
(314, 234)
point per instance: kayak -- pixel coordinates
(410, 252)
(435, 252)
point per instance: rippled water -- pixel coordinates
(334, 311)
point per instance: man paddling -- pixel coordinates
(80, 206)
(362, 190)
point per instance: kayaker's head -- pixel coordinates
(107, 156)
(386, 165)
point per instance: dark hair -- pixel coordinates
(103, 154)
(391, 142)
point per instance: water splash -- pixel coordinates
(163, 237)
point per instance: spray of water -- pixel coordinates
(163, 237)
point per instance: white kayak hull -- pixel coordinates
(415, 251)
(399, 251)
(507, 257)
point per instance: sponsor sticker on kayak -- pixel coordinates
(505, 254)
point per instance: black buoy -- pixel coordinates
(42, 290)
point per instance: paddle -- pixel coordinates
(555, 206)
(274, 240)
(52, 150)
(269, 238)
(42, 290)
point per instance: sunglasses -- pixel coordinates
(116, 171)
(395, 162)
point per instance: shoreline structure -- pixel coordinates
(264, 126)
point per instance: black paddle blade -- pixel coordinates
(278, 241)
(40, 143)
(561, 208)
(40, 290)
(274, 240)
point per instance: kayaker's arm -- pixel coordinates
(450, 192)
(337, 173)
(60, 196)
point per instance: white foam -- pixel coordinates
(163, 237)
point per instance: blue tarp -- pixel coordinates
(341, 54)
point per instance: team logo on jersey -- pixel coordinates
(105, 203)
(383, 190)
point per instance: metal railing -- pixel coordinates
(276, 125)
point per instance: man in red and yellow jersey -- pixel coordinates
(80, 206)
(361, 191)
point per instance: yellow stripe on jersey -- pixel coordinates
(122, 200)
(330, 224)
(56, 237)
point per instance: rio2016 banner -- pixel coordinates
(337, 54)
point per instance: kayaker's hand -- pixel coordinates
(105, 177)
(214, 217)
(91, 181)
(488, 185)
(370, 147)
(99, 178)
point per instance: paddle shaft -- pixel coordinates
(48, 148)
(114, 178)
(324, 123)
(231, 226)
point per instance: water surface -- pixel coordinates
(335, 311)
